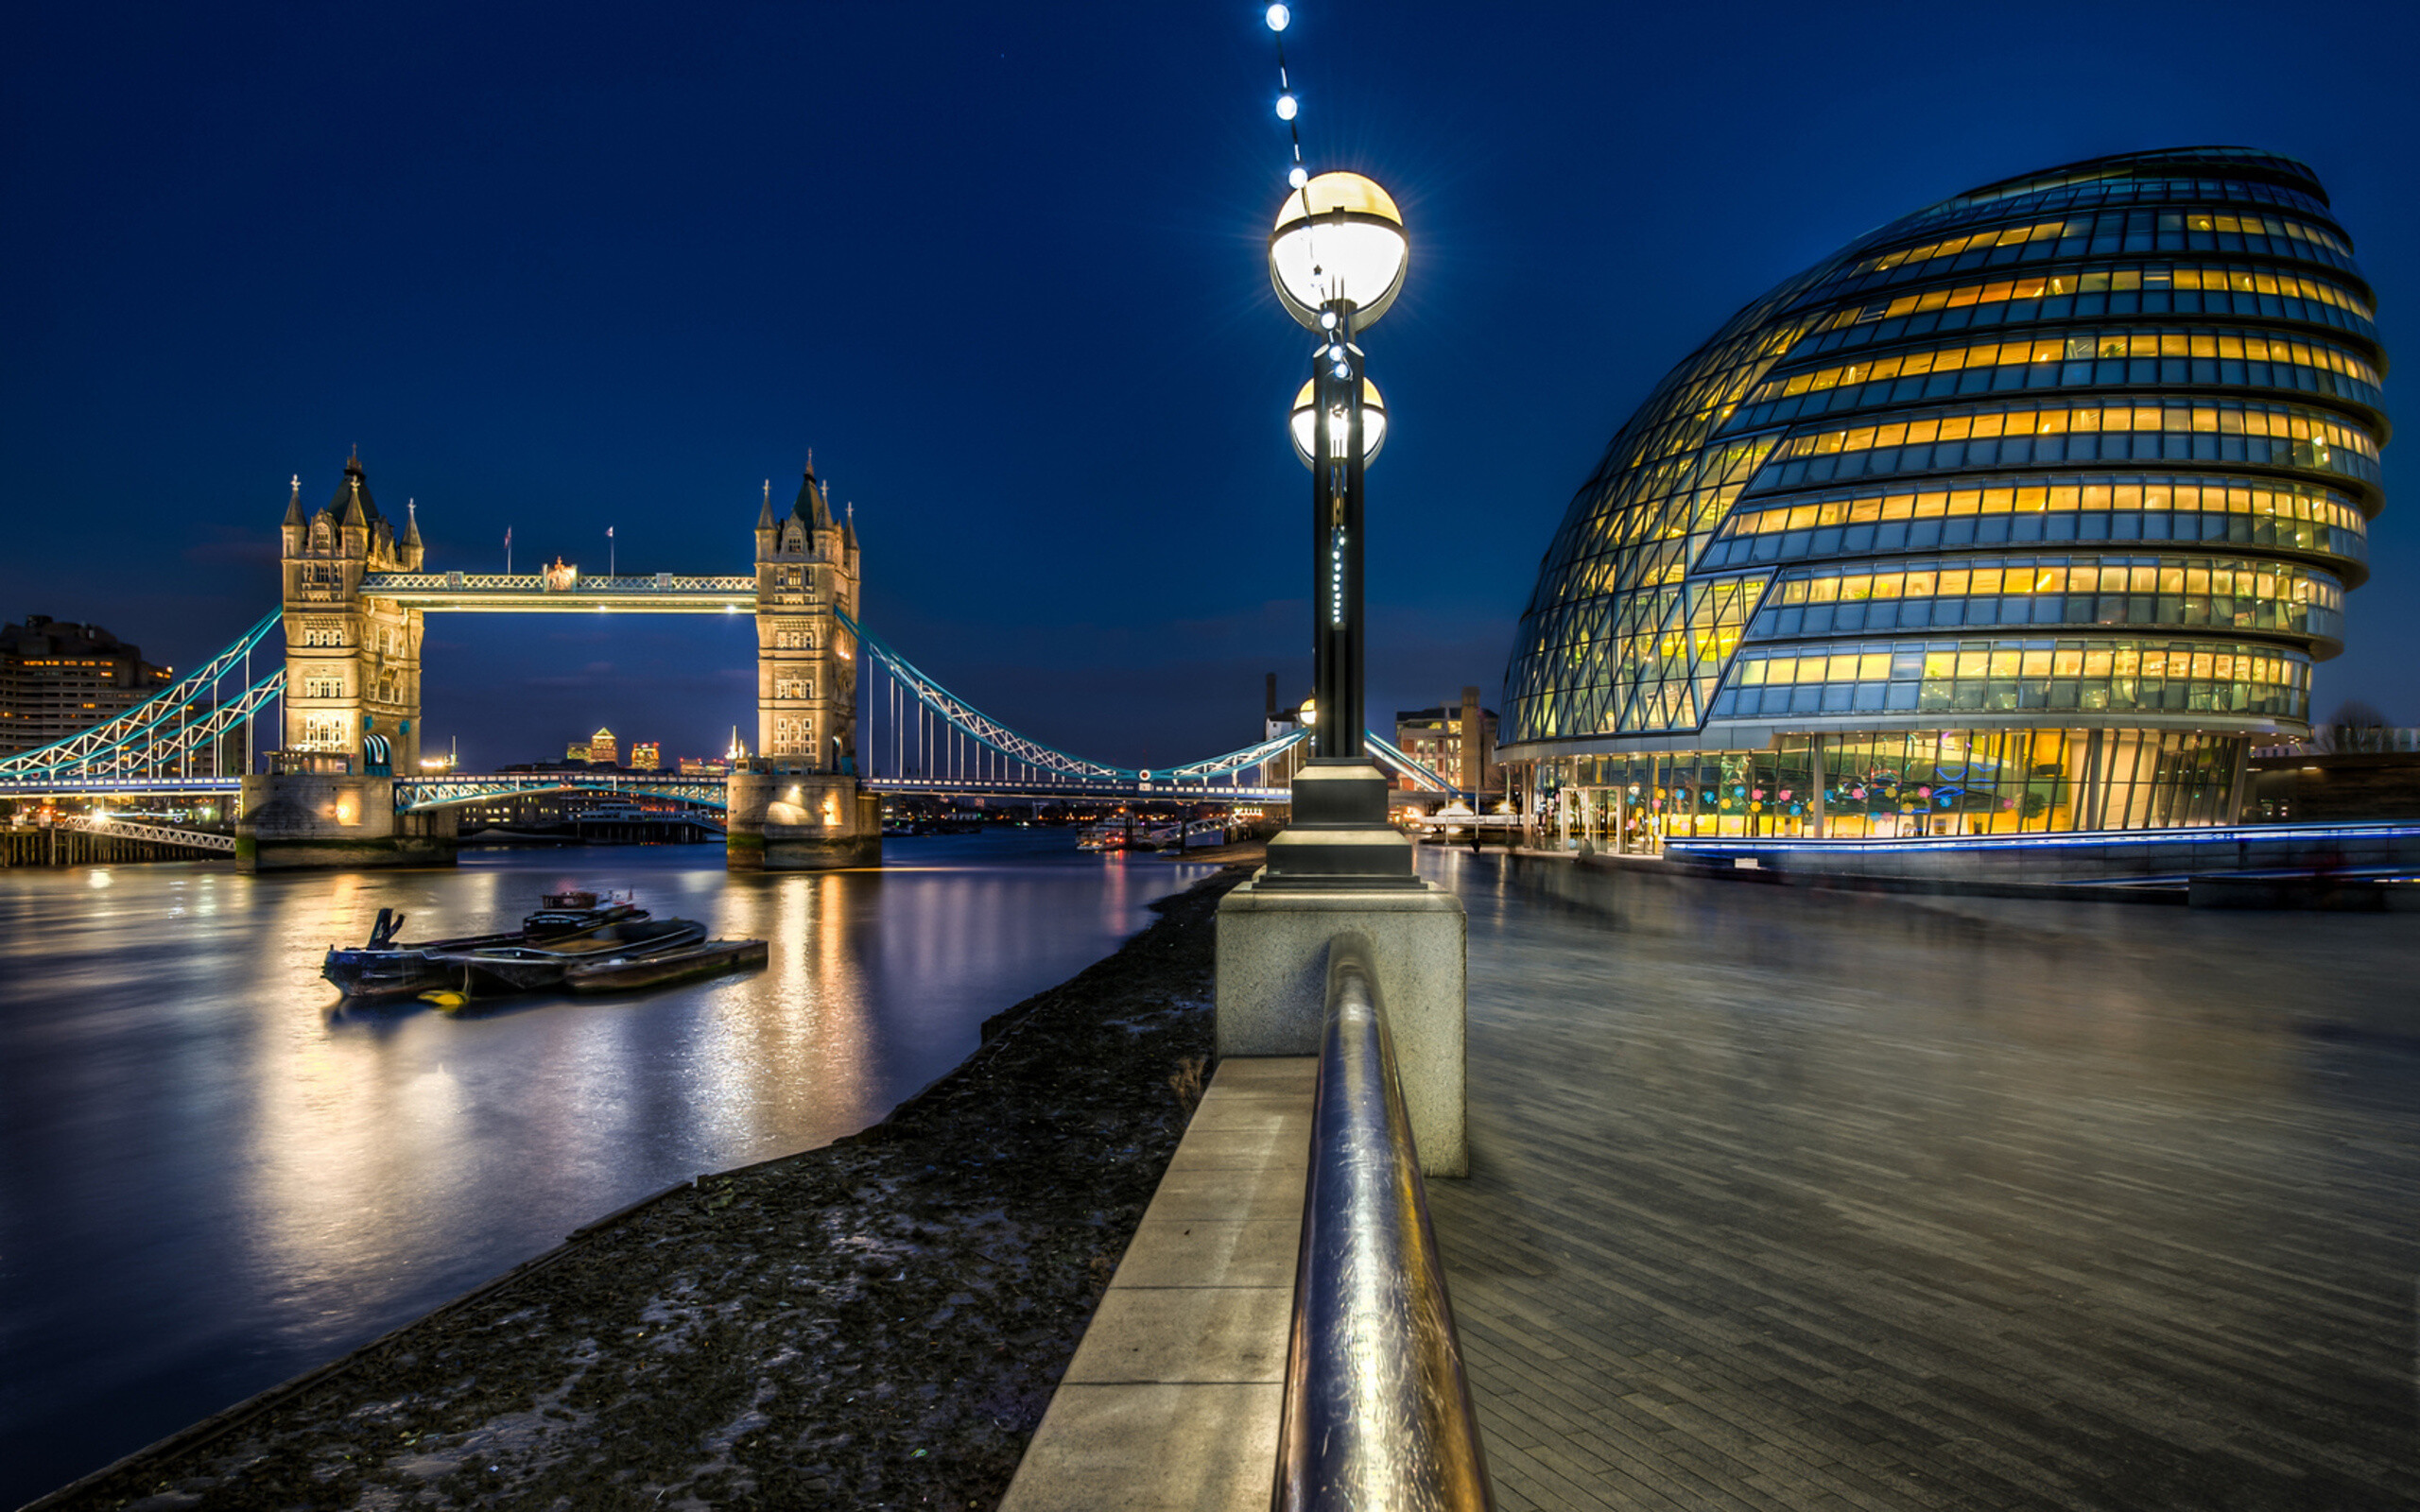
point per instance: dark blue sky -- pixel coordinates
(1001, 266)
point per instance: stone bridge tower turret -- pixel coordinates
(806, 677)
(352, 659)
(797, 803)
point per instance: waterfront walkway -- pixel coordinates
(1785, 1198)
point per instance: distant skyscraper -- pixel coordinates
(646, 755)
(602, 750)
(575, 751)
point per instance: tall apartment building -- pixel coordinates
(57, 678)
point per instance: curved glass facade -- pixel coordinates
(2030, 510)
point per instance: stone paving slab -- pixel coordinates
(1172, 1400)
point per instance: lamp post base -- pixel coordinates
(1339, 838)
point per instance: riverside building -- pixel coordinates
(58, 679)
(2028, 512)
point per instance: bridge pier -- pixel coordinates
(328, 821)
(796, 820)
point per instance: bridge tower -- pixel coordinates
(351, 663)
(351, 700)
(806, 677)
(797, 804)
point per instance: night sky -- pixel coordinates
(1001, 266)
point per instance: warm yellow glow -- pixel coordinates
(2188, 496)
(2244, 583)
(1339, 191)
(2225, 416)
(1339, 236)
(2228, 346)
(2104, 281)
(1374, 422)
(1310, 713)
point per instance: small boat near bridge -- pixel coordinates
(388, 968)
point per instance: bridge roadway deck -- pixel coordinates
(1793, 1199)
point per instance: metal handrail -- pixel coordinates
(1378, 1411)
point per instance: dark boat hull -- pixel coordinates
(526, 968)
(376, 972)
(707, 959)
(405, 970)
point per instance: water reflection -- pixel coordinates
(214, 1178)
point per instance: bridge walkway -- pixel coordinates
(1796, 1199)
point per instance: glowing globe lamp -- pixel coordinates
(1340, 240)
(1373, 424)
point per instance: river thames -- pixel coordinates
(216, 1177)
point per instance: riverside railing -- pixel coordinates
(1378, 1414)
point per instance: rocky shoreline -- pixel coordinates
(878, 1323)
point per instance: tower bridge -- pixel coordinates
(842, 717)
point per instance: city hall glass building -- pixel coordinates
(2030, 511)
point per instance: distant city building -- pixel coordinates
(1456, 741)
(1275, 722)
(575, 751)
(57, 678)
(704, 766)
(603, 751)
(2030, 511)
(596, 816)
(646, 756)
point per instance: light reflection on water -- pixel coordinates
(211, 1179)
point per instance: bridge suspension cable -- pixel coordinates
(916, 728)
(913, 729)
(915, 703)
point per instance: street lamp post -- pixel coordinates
(1336, 258)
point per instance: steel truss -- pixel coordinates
(187, 718)
(160, 727)
(418, 793)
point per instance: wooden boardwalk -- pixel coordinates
(1799, 1200)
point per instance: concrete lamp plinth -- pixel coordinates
(1341, 868)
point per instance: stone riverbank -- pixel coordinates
(878, 1323)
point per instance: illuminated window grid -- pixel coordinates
(2154, 278)
(2083, 227)
(2155, 494)
(1995, 577)
(2207, 417)
(2096, 676)
(2110, 268)
(2180, 592)
(2209, 345)
(1911, 782)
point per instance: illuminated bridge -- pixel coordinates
(915, 736)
